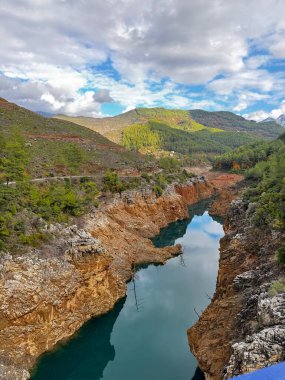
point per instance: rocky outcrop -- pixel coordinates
(47, 294)
(226, 194)
(243, 327)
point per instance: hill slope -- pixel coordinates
(191, 121)
(113, 127)
(228, 121)
(57, 147)
(198, 133)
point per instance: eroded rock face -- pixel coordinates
(243, 328)
(47, 294)
(267, 346)
(44, 299)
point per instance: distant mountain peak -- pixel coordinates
(280, 120)
(268, 120)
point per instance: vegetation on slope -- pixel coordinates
(25, 207)
(228, 121)
(157, 135)
(267, 192)
(264, 166)
(139, 136)
(113, 127)
(62, 148)
(198, 133)
(32, 146)
(246, 156)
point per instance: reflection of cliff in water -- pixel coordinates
(175, 230)
(169, 234)
(198, 375)
(218, 219)
(86, 355)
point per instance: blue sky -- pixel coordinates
(99, 58)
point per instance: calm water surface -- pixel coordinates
(144, 337)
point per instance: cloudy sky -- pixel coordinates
(103, 57)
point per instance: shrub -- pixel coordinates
(169, 164)
(277, 287)
(158, 190)
(90, 187)
(34, 239)
(113, 183)
(161, 181)
(281, 255)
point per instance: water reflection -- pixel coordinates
(85, 356)
(152, 343)
(198, 375)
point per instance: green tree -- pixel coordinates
(13, 159)
(74, 156)
(112, 182)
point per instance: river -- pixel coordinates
(144, 337)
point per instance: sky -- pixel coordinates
(104, 57)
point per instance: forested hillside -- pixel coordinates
(113, 127)
(267, 193)
(247, 156)
(157, 135)
(263, 164)
(228, 121)
(197, 134)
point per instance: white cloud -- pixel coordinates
(261, 115)
(246, 98)
(55, 46)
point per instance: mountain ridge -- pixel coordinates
(196, 135)
(280, 120)
(224, 120)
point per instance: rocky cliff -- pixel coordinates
(243, 328)
(47, 294)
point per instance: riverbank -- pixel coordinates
(47, 294)
(243, 328)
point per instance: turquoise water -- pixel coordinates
(144, 336)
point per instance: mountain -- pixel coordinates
(191, 121)
(268, 119)
(196, 133)
(57, 147)
(281, 120)
(113, 127)
(229, 121)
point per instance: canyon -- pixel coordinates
(47, 294)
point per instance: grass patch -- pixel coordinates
(277, 287)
